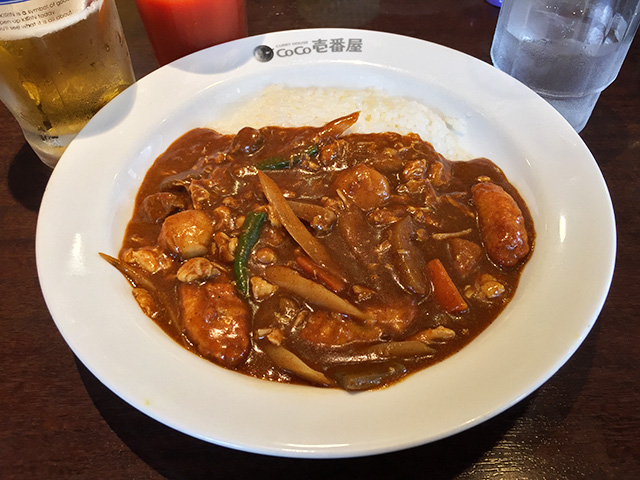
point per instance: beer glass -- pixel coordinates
(60, 62)
(568, 51)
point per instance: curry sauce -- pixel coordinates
(308, 255)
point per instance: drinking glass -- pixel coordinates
(179, 27)
(568, 51)
(60, 62)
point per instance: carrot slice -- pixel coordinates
(444, 290)
(318, 273)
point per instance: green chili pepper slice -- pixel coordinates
(280, 163)
(274, 163)
(250, 233)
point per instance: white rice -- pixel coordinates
(300, 106)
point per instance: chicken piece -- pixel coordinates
(200, 197)
(465, 255)
(261, 289)
(186, 234)
(486, 288)
(226, 246)
(197, 269)
(438, 334)
(265, 256)
(363, 293)
(325, 328)
(274, 335)
(333, 154)
(388, 215)
(158, 206)
(151, 259)
(319, 218)
(216, 321)
(388, 160)
(365, 186)
(413, 186)
(222, 219)
(439, 173)
(146, 302)
(501, 224)
(394, 319)
(414, 170)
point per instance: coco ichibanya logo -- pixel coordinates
(265, 53)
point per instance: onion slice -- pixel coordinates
(311, 291)
(403, 349)
(289, 361)
(138, 278)
(295, 227)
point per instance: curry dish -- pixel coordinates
(309, 255)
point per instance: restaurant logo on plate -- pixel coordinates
(265, 53)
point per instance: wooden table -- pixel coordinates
(58, 421)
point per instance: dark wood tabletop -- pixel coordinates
(58, 421)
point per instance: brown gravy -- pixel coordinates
(427, 251)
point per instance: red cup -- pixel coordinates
(179, 27)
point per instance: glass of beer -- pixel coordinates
(60, 62)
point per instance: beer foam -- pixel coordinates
(37, 18)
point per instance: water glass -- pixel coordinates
(568, 51)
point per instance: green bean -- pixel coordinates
(280, 163)
(248, 238)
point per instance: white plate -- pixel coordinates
(89, 200)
